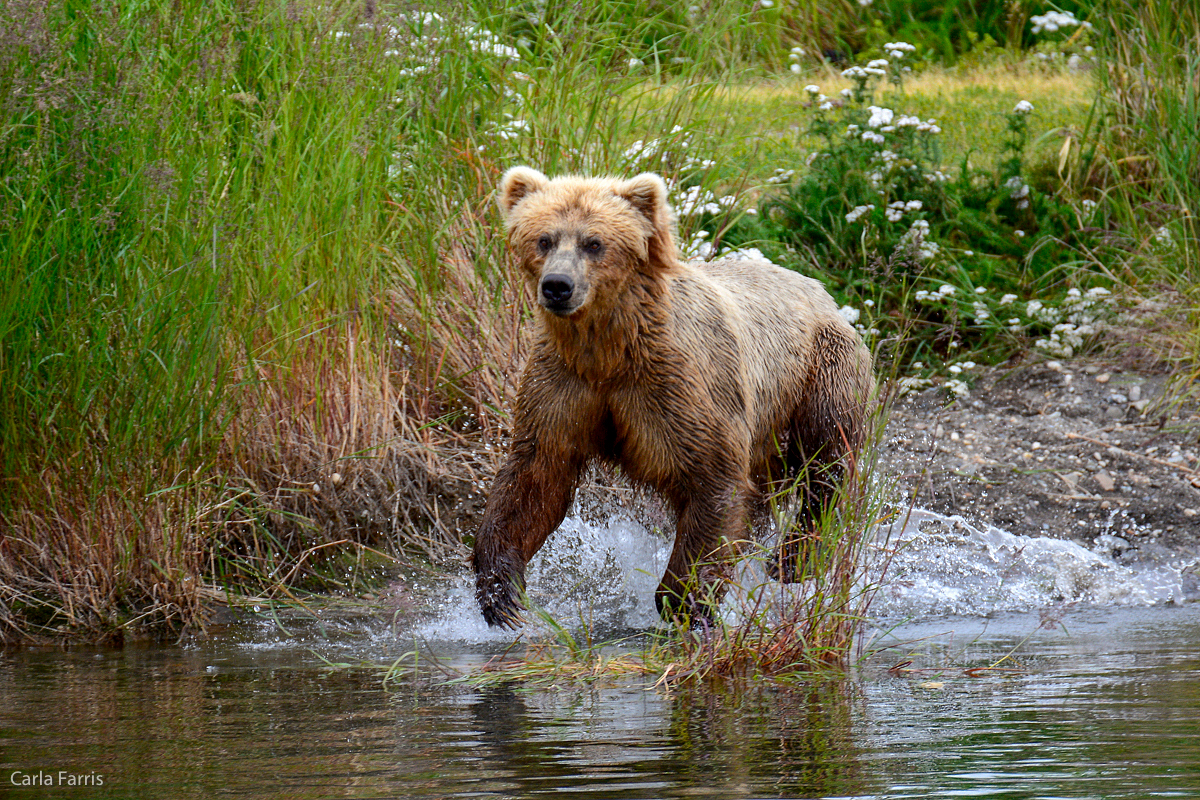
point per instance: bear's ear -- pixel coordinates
(647, 193)
(517, 184)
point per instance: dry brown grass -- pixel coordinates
(122, 563)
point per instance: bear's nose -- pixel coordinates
(557, 289)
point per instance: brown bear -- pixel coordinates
(709, 382)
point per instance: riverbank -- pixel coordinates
(1094, 450)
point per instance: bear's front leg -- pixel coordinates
(709, 531)
(529, 500)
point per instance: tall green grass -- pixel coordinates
(188, 191)
(1150, 85)
(248, 255)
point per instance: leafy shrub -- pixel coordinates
(876, 214)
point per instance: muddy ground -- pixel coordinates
(1082, 449)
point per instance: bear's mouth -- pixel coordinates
(560, 309)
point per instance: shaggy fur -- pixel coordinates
(708, 382)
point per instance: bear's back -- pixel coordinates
(784, 324)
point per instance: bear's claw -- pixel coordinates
(498, 600)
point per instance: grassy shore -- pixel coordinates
(257, 325)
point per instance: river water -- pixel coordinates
(1103, 700)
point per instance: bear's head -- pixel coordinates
(581, 241)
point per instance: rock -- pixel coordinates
(1114, 544)
(1135, 393)
(1103, 377)
(1104, 481)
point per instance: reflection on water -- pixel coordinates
(1105, 708)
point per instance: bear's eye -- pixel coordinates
(592, 246)
(544, 243)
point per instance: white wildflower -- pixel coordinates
(857, 212)
(879, 116)
(1052, 21)
(1023, 107)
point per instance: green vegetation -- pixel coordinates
(256, 318)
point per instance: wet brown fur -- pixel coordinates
(707, 382)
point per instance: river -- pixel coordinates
(1102, 700)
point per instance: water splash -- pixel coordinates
(604, 573)
(945, 565)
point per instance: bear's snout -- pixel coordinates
(557, 290)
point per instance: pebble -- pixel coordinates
(1103, 377)
(1054, 366)
(1135, 393)
(1104, 481)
